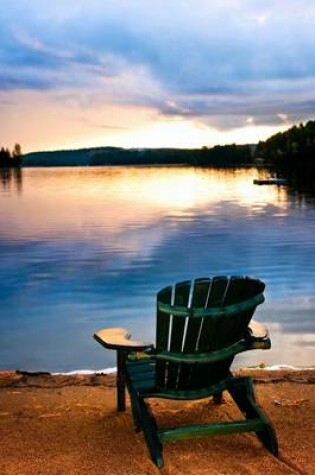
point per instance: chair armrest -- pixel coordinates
(256, 339)
(258, 330)
(258, 336)
(119, 339)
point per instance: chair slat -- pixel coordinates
(199, 298)
(242, 288)
(208, 337)
(239, 289)
(163, 320)
(217, 291)
(181, 297)
(162, 334)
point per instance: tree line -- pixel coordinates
(9, 158)
(294, 148)
(220, 155)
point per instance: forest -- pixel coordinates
(10, 159)
(226, 155)
(294, 148)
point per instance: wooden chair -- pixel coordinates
(201, 325)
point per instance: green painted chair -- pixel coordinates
(201, 325)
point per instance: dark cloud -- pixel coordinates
(235, 59)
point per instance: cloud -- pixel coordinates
(219, 63)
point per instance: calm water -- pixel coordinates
(85, 248)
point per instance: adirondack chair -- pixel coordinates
(201, 326)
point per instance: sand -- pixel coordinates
(69, 425)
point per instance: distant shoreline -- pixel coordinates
(151, 165)
(227, 155)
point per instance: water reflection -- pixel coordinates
(11, 179)
(84, 248)
(113, 198)
(302, 183)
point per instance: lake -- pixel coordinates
(86, 248)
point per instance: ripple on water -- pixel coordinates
(83, 248)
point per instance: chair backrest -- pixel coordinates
(201, 316)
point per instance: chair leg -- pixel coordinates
(269, 438)
(135, 411)
(241, 390)
(150, 431)
(121, 380)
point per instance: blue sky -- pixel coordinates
(137, 73)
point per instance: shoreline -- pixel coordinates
(113, 370)
(259, 373)
(68, 424)
(107, 377)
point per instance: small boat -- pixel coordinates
(272, 180)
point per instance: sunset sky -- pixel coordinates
(139, 73)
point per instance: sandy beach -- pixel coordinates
(69, 425)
